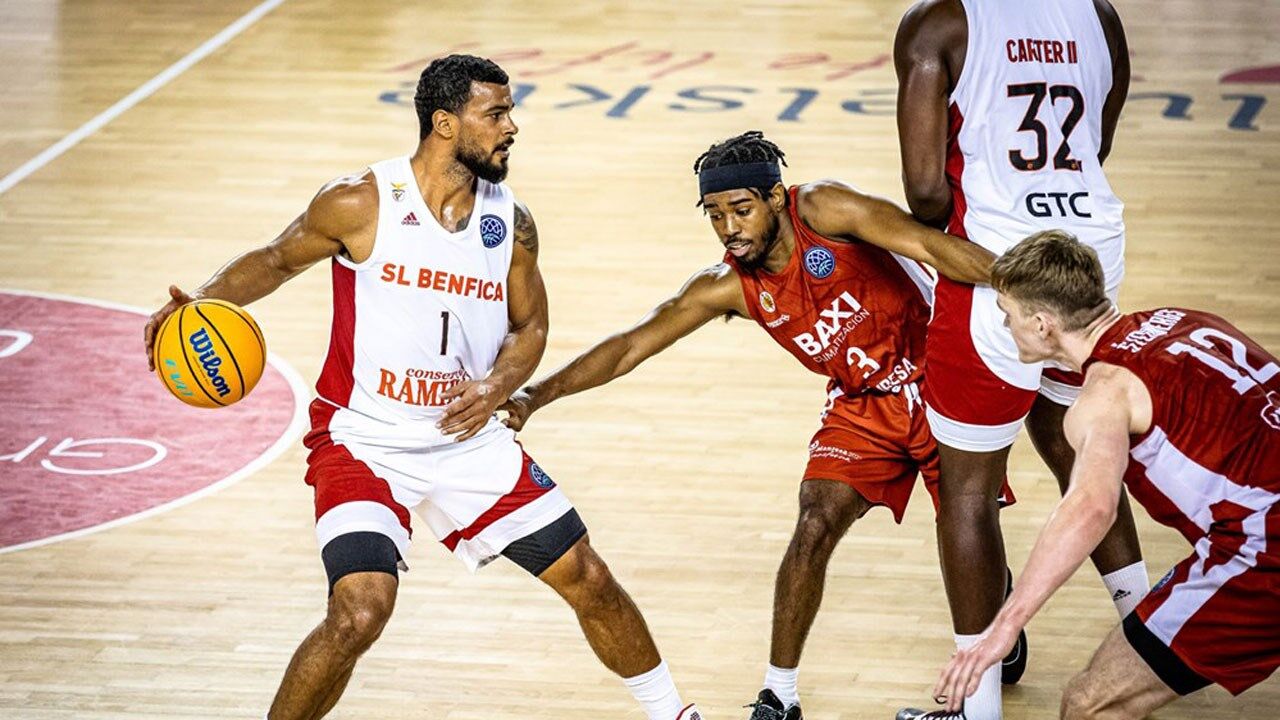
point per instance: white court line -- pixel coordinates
(142, 93)
(299, 422)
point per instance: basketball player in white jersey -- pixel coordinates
(1006, 112)
(439, 314)
(1183, 409)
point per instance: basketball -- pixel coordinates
(210, 353)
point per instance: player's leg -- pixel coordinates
(977, 395)
(359, 607)
(529, 521)
(827, 509)
(1118, 557)
(610, 620)
(1118, 684)
(363, 532)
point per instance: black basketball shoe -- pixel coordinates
(913, 714)
(1015, 663)
(768, 707)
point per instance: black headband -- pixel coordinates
(738, 177)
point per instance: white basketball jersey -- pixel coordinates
(1026, 125)
(426, 311)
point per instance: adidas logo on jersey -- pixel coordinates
(1120, 594)
(410, 219)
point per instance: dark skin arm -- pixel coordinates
(342, 218)
(928, 55)
(473, 402)
(709, 294)
(1119, 47)
(838, 211)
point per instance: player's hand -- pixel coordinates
(471, 404)
(960, 677)
(518, 407)
(178, 299)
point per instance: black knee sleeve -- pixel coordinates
(538, 551)
(359, 552)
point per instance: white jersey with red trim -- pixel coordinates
(426, 311)
(1026, 126)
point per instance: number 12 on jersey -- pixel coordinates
(1242, 382)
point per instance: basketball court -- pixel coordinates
(158, 561)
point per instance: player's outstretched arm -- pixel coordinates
(839, 211)
(924, 82)
(342, 216)
(472, 403)
(709, 294)
(1098, 427)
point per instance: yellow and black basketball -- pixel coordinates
(210, 353)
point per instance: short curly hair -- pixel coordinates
(446, 85)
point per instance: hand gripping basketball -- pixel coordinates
(208, 353)
(178, 299)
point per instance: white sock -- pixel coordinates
(1127, 586)
(984, 703)
(656, 693)
(782, 682)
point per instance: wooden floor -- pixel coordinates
(685, 471)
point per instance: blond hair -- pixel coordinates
(1054, 271)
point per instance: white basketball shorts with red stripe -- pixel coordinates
(477, 496)
(976, 390)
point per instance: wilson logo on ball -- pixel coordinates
(202, 346)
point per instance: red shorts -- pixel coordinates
(1216, 614)
(978, 392)
(877, 444)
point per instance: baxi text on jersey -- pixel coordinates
(443, 281)
(202, 346)
(425, 388)
(833, 324)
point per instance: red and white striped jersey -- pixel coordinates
(1212, 456)
(1026, 126)
(425, 311)
(851, 311)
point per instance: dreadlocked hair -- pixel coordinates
(749, 147)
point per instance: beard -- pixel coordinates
(756, 260)
(483, 164)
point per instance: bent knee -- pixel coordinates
(1084, 699)
(357, 622)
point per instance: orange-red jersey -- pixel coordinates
(850, 311)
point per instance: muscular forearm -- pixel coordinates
(608, 360)
(964, 262)
(247, 278)
(519, 356)
(1073, 531)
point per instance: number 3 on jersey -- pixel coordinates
(1038, 91)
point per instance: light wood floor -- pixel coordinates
(685, 471)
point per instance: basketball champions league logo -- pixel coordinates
(819, 262)
(492, 231)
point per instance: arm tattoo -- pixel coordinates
(526, 231)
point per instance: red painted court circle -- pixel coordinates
(89, 437)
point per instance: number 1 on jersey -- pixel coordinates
(444, 332)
